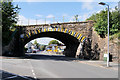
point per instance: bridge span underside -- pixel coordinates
(70, 42)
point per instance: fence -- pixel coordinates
(49, 20)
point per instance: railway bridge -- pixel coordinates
(72, 34)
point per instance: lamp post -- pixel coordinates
(102, 3)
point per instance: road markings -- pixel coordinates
(10, 77)
(16, 76)
(26, 59)
(32, 70)
(33, 73)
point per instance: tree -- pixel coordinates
(76, 18)
(9, 19)
(42, 47)
(36, 43)
(94, 17)
(54, 42)
(101, 25)
(115, 21)
(101, 22)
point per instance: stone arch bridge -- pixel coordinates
(72, 34)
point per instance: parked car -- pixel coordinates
(35, 50)
(29, 50)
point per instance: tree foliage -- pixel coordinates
(54, 42)
(9, 19)
(36, 43)
(76, 18)
(42, 47)
(101, 21)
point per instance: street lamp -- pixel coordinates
(102, 3)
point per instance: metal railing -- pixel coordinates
(51, 20)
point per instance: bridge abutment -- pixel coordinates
(18, 44)
(70, 51)
(79, 50)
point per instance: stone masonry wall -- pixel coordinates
(102, 43)
(84, 28)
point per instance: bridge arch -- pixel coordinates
(70, 38)
(77, 35)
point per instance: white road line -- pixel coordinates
(11, 77)
(26, 59)
(18, 76)
(35, 77)
(25, 77)
(32, 70)
(33, 73)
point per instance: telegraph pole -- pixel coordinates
(63, 19)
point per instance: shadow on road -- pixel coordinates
(10, 76)
(49, 57)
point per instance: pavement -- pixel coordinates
(102, 64)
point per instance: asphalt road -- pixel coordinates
(52, 66)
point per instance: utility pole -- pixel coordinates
(63, 19)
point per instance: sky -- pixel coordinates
(50, 11)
